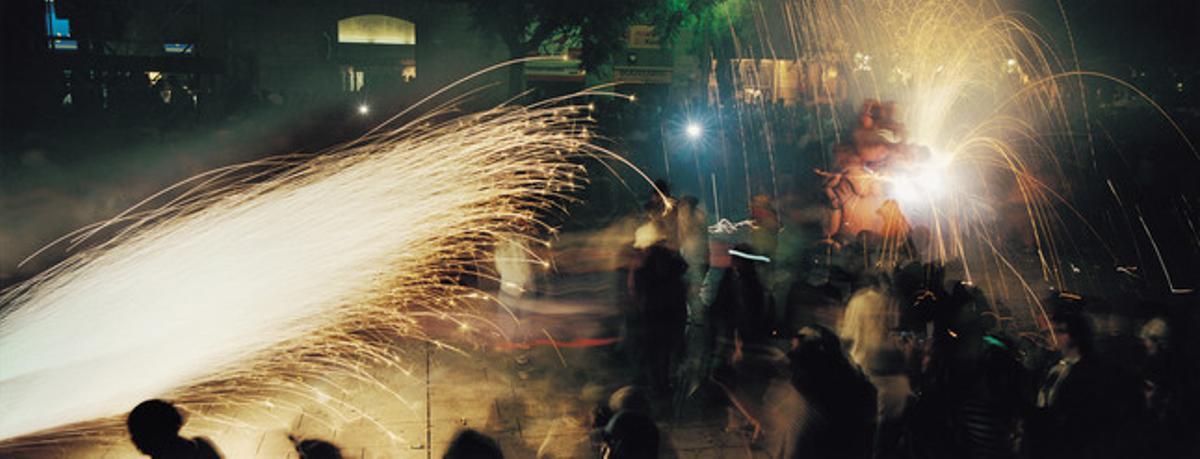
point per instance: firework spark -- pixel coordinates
(254, 280)
(984, 91)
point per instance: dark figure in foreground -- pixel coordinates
(741, 311)
(315, 449)
(839, 419)
(744, 359)
(631, 435)
(1085, 408)
(154, 428)
(972, 387)
(660, 293)
(470, 444)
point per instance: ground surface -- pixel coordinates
(530, 400)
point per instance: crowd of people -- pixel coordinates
(835, 338)
(154, 427)
(623, 429)
(858, 361)
(888, 358)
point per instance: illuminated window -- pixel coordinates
(55, 26)
(58, 30)
(352, 80)
(178, 48)
(377, 29)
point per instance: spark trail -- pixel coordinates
(984, 90)
(254, 279)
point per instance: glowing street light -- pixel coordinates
(363, 109)
(693, 130)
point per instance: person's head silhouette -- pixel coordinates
(316, 449)
(154, 428)
(154, 425)
(469, 443)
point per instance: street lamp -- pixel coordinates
(363, 109)
(693, 130)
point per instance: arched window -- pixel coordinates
(376, 29)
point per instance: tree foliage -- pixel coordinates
(597, 27)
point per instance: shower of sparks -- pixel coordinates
(985, 93)
(963, 73)
(286, 278)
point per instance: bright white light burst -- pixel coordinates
(254, 279)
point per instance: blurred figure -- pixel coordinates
(765, 236)
(1085, 408)
(470, 444)
(315, 449)
(866, 325)
(154, 428)
(629, 398)
(1155, 336)
(796, 258)
(693, 246)
(1171, 380)
(514, 265)
(662, 209)
(839, 416)
(741, 309)
(515, 262)
(630, 435)
(866, 330)
(973, 385)
(660, 297)
(745, 357)
(693, 243)
(808, 304)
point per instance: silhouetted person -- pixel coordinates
(839, 419)
(631, 435)
(973, 387)
(868, 331)
(741, 307)
(629, 398)
(315, 449)
(1085, 408)
(745, 356)
(660, 292)
(470, 444)
(154, 428)
(693, 242)
(1171, 378)
(661, 209)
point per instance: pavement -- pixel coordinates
(548, 411)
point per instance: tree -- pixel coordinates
(598, 27)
